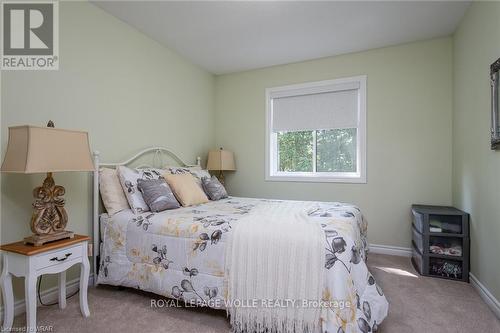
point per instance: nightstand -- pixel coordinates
(31, 262)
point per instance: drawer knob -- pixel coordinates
(66, 256)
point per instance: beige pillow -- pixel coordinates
(111, 191)
(185, 189)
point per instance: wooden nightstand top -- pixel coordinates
(29, 250)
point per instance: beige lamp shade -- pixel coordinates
(220, 160)
(34, 149)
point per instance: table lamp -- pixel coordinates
(34, 149)
(221, 160)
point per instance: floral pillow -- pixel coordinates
(196, 171)
(157, 194)
(128, 179)
(213, 188)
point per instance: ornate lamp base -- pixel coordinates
(49, 217)
(221, 177)
(39, 240)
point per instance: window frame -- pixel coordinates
(272, 173)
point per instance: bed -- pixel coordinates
(180, 254)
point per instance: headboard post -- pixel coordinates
(95, 219)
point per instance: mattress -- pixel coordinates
(180, 254)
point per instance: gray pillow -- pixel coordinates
(157, 194)
(213, 188)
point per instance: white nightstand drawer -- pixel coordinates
(59, 256)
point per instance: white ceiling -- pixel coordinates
(225, 37)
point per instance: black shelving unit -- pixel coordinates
(442, 228)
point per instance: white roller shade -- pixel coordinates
(315, 111)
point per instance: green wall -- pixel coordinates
(476, 168)
(128, 91)
(409, 119)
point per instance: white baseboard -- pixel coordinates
(486, 295)
(390, 250)
(49, 295)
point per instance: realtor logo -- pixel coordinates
(30, 35)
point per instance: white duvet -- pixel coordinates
(181, 254)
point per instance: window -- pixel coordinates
(316, 131)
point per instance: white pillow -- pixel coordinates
(111, 191)
(128, 180)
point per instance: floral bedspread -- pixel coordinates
(180, 254)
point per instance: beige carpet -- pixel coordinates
(417, 304)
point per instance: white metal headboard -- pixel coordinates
(158, 151)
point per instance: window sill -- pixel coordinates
(316, 179)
